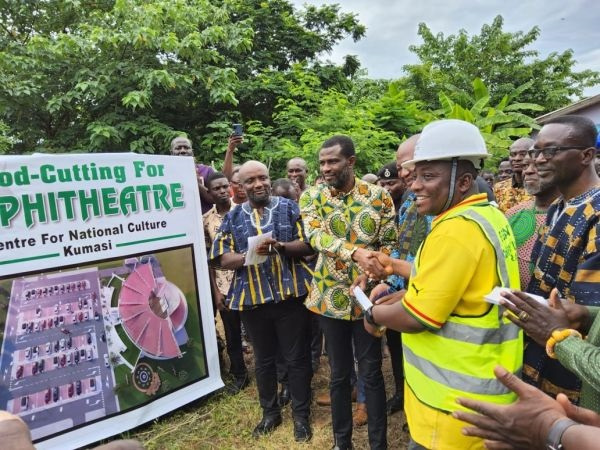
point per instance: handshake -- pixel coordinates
(376, 265)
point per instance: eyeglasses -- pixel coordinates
(549, 152)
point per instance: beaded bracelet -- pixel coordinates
(559, 336)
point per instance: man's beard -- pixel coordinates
(260, 200)
(342, 179)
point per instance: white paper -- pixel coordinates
(362, 299)
(495, 297)
(253, 258)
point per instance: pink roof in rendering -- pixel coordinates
(153, 334)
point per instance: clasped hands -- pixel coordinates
(376, 265)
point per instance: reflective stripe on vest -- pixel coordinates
(490, 233)
(458, 380)
(477, 335)
(458, 359)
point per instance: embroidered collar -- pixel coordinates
(267, 216)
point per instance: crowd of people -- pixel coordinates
(428, 237)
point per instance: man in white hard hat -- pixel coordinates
(452, 339)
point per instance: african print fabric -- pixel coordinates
(508, 194)
(566, 257)
(412, 229)
(526, 223)
(336, 224)
(280, 276)
(212, 221)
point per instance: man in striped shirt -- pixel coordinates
(270, 295)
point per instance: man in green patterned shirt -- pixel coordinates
(345, 218)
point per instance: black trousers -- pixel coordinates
(316, 338)
(314, 347)
(339, 335)
(394, 342)
(281, 326)
(233, 337)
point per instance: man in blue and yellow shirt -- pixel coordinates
(270, 295)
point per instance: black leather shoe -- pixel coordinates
(284, 395)
(266, 426)
(302, 431)
(395, 403)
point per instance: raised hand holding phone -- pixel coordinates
(366, 305)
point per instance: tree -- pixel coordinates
(114, 359)
(500, 124)
(113, 78)
(503, 60)
(6, 141)
(128, 75)
(376, 117)
(284, 38)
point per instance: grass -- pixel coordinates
(224, 421)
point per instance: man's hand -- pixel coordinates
(368, 262)
(267, 247)
(201, 186)
(234, 141)
(219, 300)
(390, 299)
(577, 413)
(524, 424)
(360, 281)
(540, 320)
(378, 291)
(373, 330)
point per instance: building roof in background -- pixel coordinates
(573, 108)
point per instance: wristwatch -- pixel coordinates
(553, 441)
(369, 316)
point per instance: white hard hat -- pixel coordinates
(448, 139)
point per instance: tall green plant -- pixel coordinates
(376, 115)
(499, 124)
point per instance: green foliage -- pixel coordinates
(503, 60)
(6, 142)
(302, 121)
(114, 76)
(128, 75)
(500, 125)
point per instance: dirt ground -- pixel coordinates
(223, 421)
(321, 415)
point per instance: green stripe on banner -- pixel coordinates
(31, 258)
(143, 241)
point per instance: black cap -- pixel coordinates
(388, 172)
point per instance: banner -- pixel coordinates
(105, 302)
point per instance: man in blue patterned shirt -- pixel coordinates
(270, 295)
(566, 255)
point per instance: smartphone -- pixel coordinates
(237, 129)
(361, 299)
(364, 303)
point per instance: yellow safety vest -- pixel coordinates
(458, 360)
